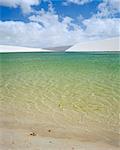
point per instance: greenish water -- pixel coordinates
(72, 88)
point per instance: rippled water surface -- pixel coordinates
(70, 88)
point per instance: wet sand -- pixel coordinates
(16, 139)
(32, 135)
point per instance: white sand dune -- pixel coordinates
(6, 49)
(111, 44)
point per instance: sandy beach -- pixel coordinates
(11, 139)
(53, 130)
(27, 136)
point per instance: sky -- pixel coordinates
(52, 23)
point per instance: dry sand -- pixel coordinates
(7, 48)
(112, 44)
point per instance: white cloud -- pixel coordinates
(102, 28)
(44, 30)
(108, 8)
(34, 35)
(48, 29)
(25, 5)
(78, 2)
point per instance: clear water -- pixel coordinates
(68, 89)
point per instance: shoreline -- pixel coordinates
(17, 139)
(30, 133)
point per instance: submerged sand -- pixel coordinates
(53, 131)
(59, 101)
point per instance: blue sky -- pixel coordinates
(72, 10)
(44, 23)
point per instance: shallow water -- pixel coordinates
(68, 89)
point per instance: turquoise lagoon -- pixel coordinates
(77, 90)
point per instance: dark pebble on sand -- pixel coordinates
(33, 134)
(49, 130)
